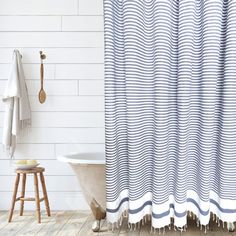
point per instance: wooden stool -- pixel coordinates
(35, 171)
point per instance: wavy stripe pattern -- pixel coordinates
(170, 101)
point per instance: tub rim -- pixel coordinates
(69, 158)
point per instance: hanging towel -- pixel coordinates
(15, 97)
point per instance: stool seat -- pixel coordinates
(23, 173)
(30, 171)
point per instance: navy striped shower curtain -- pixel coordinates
(170, 105)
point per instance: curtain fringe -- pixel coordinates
(147, 218)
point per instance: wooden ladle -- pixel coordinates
(42, 94)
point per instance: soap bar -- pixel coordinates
(31, 162)
(21, 162)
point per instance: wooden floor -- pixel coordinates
(72, 223)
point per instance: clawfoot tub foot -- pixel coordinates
(96, 226)
(99, 214)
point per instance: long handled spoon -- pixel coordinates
(42, 94)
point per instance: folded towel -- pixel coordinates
(17, 114)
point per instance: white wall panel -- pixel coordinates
(30, 23)
(91, 87)
(51, 87)
(70, 32)
(50, 39)
(56, 55)
(67, 119)
(42, 7)
(31, 71)
(90, 7)
(79, 71)
(66, 103)
(31, 151)
(82, 23)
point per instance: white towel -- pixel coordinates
(17, 114)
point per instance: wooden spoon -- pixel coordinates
(42, 94)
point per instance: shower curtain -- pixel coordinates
(170, 109)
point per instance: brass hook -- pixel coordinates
(42, 55)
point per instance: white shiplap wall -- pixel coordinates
(70, 32)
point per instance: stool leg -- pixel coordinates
(36, 187)
(45, 194)
(22, 195)
(14, 197)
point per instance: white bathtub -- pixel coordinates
(90, 171)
